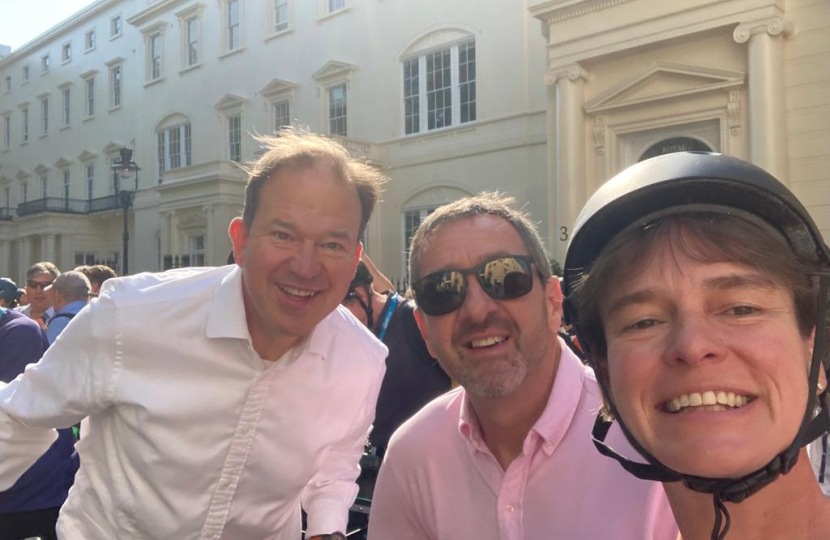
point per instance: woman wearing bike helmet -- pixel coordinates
(698, 285)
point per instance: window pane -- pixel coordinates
(280, 15)
(467, 80)
(175, 148)
(335, 5)
(282, 114)
(155, 56)
(192, 41)
(337, 111)
(411, 96)
(116, 86)
(161, 153)
(439, 90)
(235, 138)
(66, 102)
(233, 24)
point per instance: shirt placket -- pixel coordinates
(236, 457)
(510, 509)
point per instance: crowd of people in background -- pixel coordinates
(31, 319)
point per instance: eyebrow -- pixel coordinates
(740, 281)
(727, 282)
(339, 234)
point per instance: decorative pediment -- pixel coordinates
(333, 70)
(86, 155)
(277, 87)
(41, 169)
(193, 221)
(21, 175)
(230, 102)
(113, 147)
(663, 81)
(62, 163)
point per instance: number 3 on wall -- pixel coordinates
(563, 234)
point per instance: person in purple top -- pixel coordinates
(30, 507)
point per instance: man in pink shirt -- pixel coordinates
(508, 455)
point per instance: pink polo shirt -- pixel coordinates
(440, 481)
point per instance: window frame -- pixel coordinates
(112, 26)
(285, 25)
(189, 47)
(44, 115)
(25, 74)
(45, 64)
(155, 65)
(234, 137)
(90, 180)
(226, 34)
(90, 44)
(185, 155)
(345, 112)
(24, 124)
(66, 105)
(66, 52)
(7, 130)
(421, 99)
(115, 86)
(7, 86)
(89, 94)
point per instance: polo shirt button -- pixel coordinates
(509, 508)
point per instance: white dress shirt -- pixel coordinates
(190, 434)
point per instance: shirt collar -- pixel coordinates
(227, 317)
(73, 307)
(557, 415)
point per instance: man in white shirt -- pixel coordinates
(220, 401)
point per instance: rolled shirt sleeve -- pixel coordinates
(332, 491)
(73, 379)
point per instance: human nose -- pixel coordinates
(305, 263)
(693, 341)
(477, 303)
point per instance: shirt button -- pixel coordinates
(509, 508)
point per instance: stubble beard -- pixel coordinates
(501, 377)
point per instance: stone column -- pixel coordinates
(6, 260)
(47, 249)
(767, 120)
(24, 261)
(566, 154)
(67, 254)
(211, 257)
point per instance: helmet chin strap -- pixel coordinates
(735, 490)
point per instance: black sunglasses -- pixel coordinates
(38, 284)
(501, 278)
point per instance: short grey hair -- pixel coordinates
(486, 203)
(72, 286)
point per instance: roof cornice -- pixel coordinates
(67, 24)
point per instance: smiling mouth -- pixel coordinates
(713, 401)
(294, 292)
(484, 343)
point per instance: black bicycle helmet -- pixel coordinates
(691, 182)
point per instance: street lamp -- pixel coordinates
(125, 168)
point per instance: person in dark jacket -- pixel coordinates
(30, 507)
(413, 377)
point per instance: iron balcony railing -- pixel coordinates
(60, 205)
(7, 214)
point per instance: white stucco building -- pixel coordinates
(629, 79)
(543, 100)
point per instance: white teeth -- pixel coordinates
(714, 401)
(297, 292)
(486, 342)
